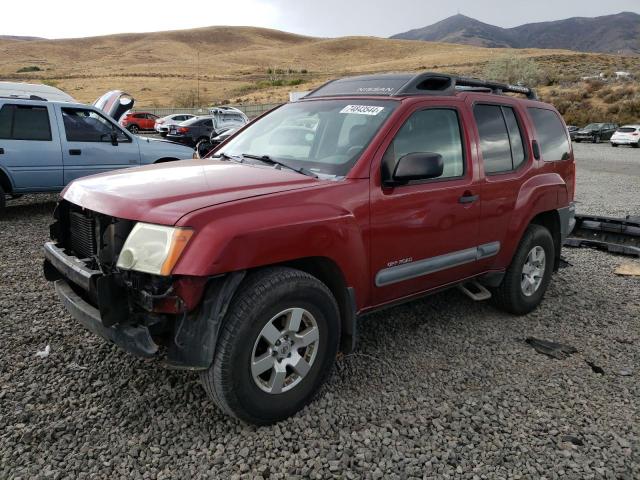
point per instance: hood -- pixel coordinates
(164, 193)
(115, 103)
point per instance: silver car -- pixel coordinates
(162, 124)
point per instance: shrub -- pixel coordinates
(513, 70)
(186, 98)
(32, 68)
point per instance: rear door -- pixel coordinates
(30, 146)
(88, 146)
(504, 153)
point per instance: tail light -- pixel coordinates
(635, 134)
(183, 130)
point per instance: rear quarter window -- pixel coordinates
(551, 134)
(25, 122)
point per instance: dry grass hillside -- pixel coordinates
(246, 65)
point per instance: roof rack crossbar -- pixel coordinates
(427, 83)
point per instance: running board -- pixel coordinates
(615, 235)
(479, 292)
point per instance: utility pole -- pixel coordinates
(198, 76)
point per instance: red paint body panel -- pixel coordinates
(247, 216)
(163, 193)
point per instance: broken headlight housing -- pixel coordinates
(153, 249)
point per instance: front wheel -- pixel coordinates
(614, 145)
(3, 199)
(635, 145)
(529, 274)
(277, 346)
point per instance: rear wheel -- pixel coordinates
(596, 139)
(614, 145)
(529, 274)
(635, 145)
(276, 348)
(3, 199)
(133, 129)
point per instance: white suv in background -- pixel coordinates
(626, 135)
(162, 124)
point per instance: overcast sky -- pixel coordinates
(324, 18)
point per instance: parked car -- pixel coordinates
(45, 144)
(626, 135)
(572, 131)
(139, 121)
(373, 190)
(595, 132)
(162, 124)
(192, 131)
(223, 135)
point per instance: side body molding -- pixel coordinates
(400, 273)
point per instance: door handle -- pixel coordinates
(1, 151)
(75, 151)
(467, 197)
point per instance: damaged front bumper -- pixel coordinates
(178, 326)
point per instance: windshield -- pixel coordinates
(324, 136)
(593, 126)
(627, 129)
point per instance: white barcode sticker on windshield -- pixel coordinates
(362, 109)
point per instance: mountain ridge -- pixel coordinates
(617, 33)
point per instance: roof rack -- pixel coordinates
(24, 97)
(403, 84)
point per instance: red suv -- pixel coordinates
(252, 265)
(137, 121)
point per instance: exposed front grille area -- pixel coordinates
(82, 234)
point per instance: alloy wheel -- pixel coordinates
(533, 271)
(285, 350)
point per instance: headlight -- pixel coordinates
(153, 248)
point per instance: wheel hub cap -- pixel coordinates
(285, 350)
(533, 271)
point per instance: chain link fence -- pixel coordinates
(250, 110)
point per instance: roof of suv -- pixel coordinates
(411, 84)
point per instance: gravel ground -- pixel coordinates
(440, 388)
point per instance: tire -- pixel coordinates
(596, 139)
(3, 199)
(635, 145)
(510, 295)
(231, 381)
(577, 141)
(133, 129)
(614, 145)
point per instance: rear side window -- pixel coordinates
(500, 138)
(552, 135)
(24, 122)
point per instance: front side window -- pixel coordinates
(551, 133)
(324, 136)
(25, 122)
(500, 138)
(434, 130)
(82, 125)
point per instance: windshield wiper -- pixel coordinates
(268, 159)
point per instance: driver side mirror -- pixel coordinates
(417, 166)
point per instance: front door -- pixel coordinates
(92, 144)
(424, 233)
